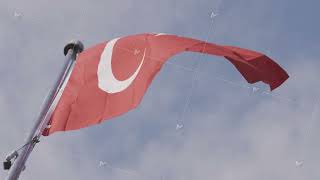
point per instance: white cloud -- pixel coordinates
(228, 133)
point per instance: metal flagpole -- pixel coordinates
(71, 50)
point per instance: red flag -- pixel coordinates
(111, 78)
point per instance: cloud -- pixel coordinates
(229, 132)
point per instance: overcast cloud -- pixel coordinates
(231, 131)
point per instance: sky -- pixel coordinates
(232, 130)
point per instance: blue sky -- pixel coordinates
(230, 132)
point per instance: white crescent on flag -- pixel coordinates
(106, 80)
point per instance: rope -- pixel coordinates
(34, 140)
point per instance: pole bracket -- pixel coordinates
(35, 140)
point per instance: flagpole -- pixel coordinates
(71, 50)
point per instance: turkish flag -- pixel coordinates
(111, 78)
